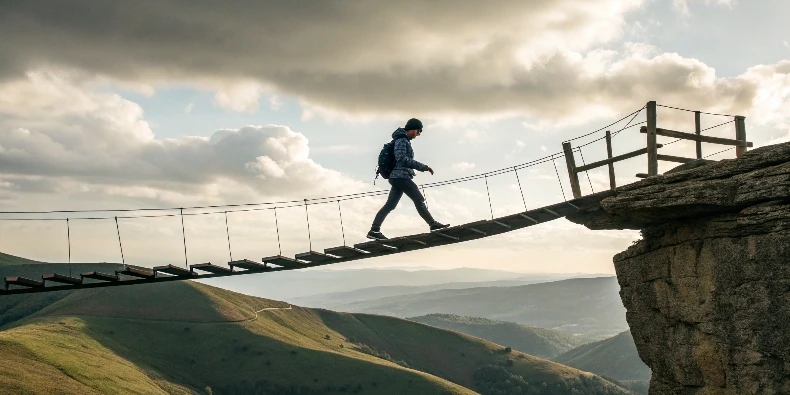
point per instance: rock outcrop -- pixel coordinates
(707, 289)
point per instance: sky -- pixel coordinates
(119, 105)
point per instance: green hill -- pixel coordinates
(587, 306)
(10, 260)
(188, 337)
(544, 343)
(614, 358)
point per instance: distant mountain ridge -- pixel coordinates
(588, 306)
(339, 299)
(540, 342)
(289, 285)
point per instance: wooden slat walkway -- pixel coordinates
(370, 249)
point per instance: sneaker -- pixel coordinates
(376, 235)
(438, 226)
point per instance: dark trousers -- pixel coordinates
(399, 187)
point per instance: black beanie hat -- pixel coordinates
(413, 124)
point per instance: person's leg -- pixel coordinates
(392, 202)
(413, 192)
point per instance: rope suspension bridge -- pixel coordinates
(131, 274)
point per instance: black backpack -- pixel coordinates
(386, 160)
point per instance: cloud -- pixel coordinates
(351, 57)
(56, 129)
(361, 60)
(463, 166)
(682, 6)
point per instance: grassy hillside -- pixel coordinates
(615, 358)
(589, 306)
(544, 343)
(9, 260)
(192, 338)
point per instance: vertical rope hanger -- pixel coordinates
(586, 172)
(309, 237)
(424, 196)
(342, 229)
(519, 188)
(184, 235)
(490, 207)
(277, 227)
(558, 178)
(227, 231)
(120, 245)
(68, 240)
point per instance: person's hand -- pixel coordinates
(431, 170)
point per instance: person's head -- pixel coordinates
(413, 128)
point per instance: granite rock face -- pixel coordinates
(707, 289)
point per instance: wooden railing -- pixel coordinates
(652, 131)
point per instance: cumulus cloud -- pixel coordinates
(682, 6)
(56, 129)
(463, 166)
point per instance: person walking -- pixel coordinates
(401, 180)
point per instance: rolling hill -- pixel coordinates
(544, 343)
(615, 358)
(188, 337)
(587, 306)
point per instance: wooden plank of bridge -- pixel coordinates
(376, 247)
(100, 276)
(652, 152)
(573, 174)
(704, 139)
(174, 271)
(612, 183)
(284, 261)
(345, 252)
(740, 135)
(247, 264)
(211, 268)
(314, 257)
(457, 233)
(136, 271)
(23, 282)
(59, 278)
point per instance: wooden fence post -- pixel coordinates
(652, 153)
(612, 184)
(571, 162)
(740, 135)
(697, 125)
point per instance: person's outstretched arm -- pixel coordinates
(403, 160)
